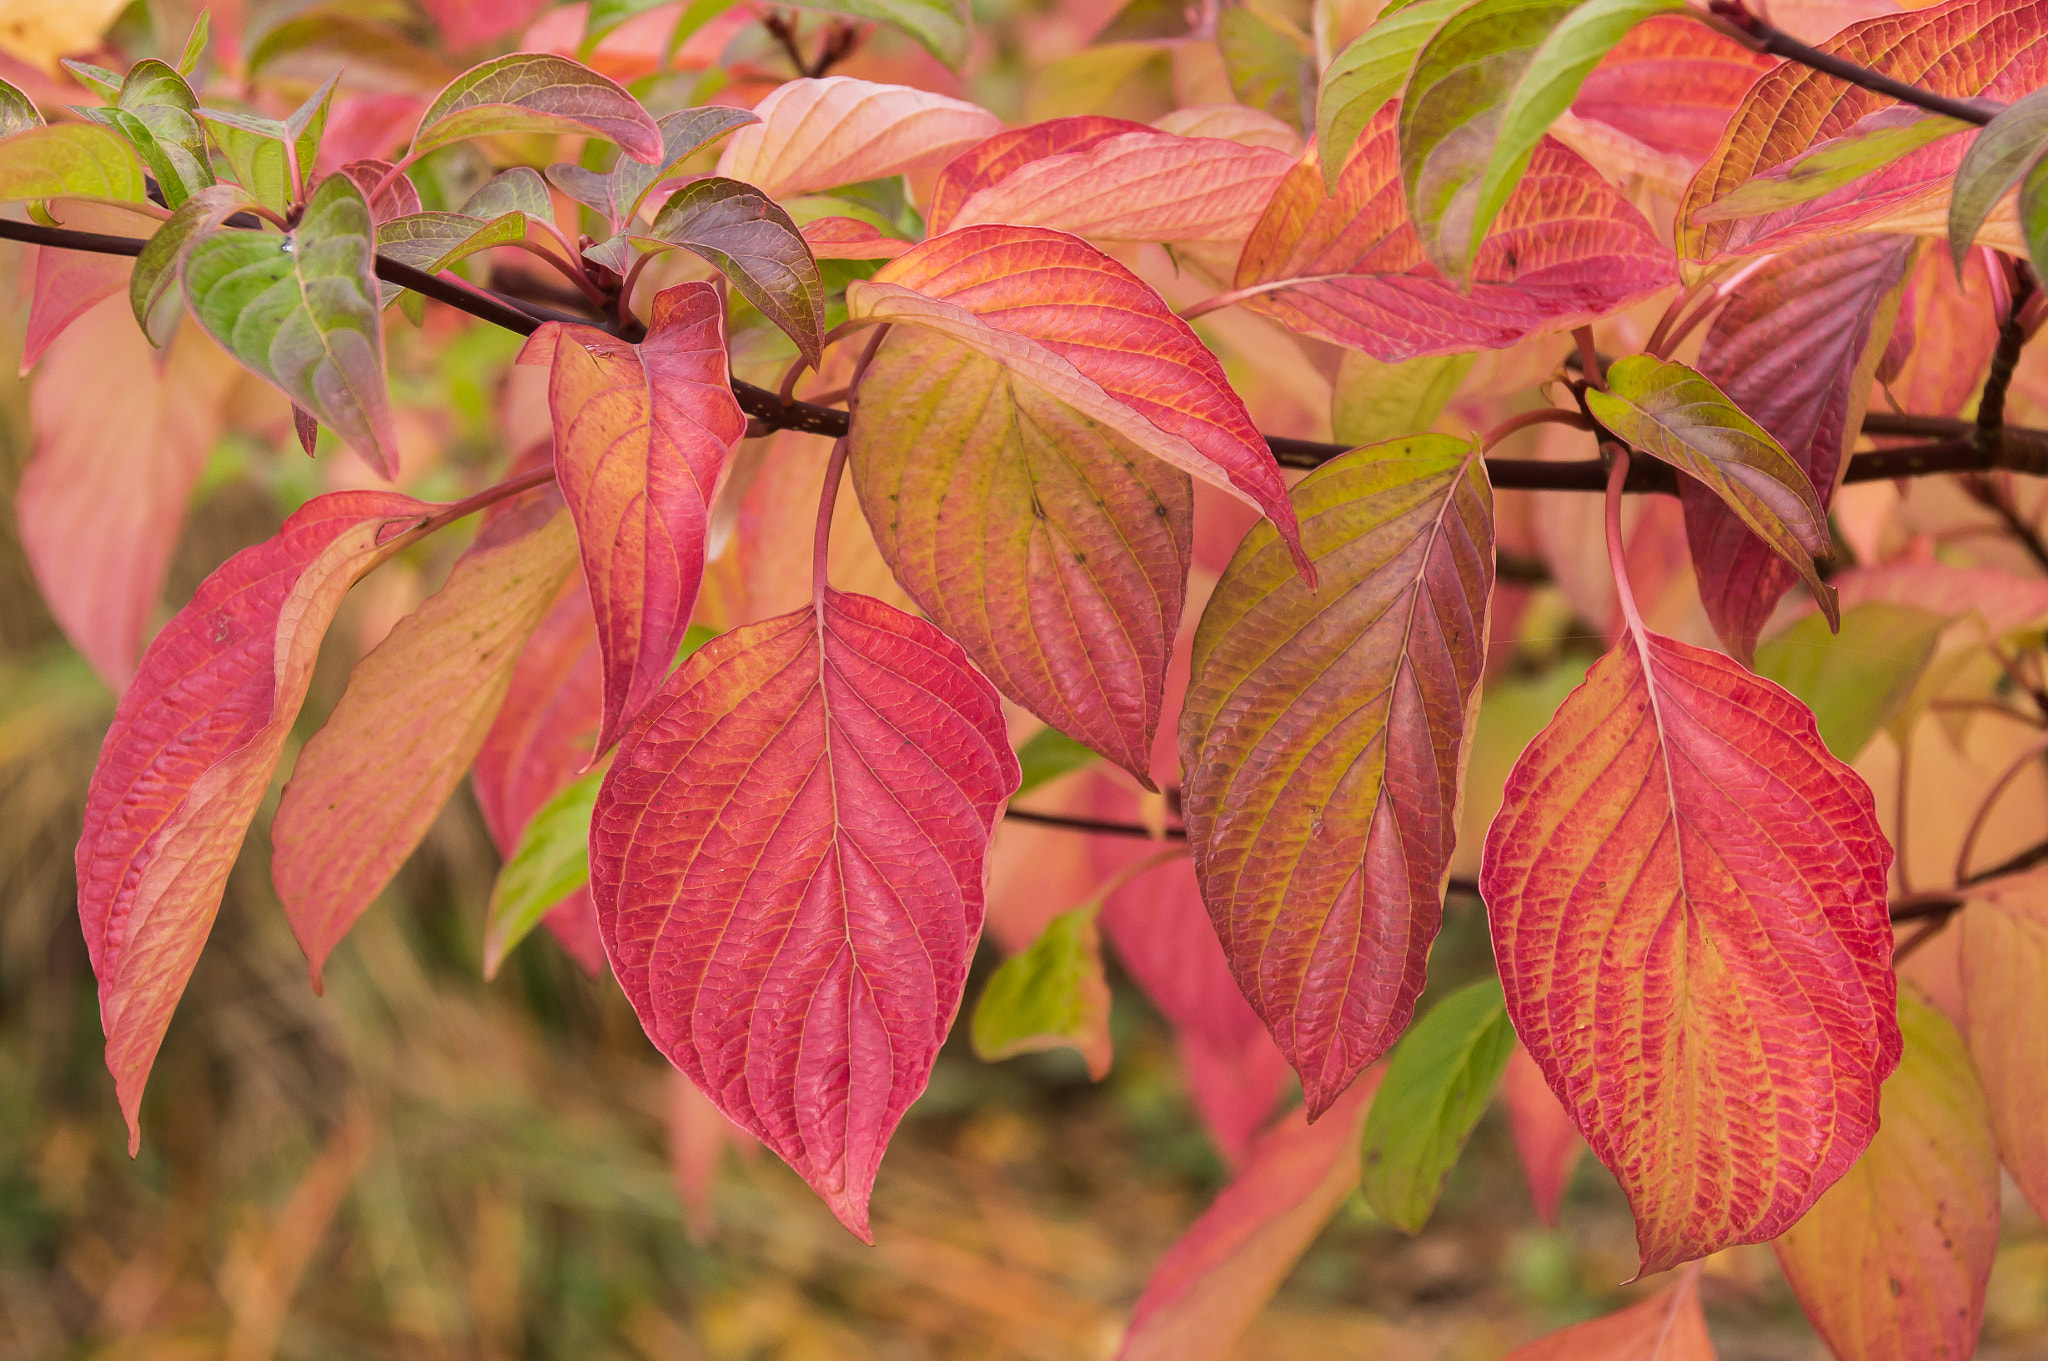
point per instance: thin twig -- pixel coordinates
(1754, 32)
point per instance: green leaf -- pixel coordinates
(309, 43)
(936, 24)
(2010, 145)
(302, 312)
(536, 92)
(83, 160)
(102, 82)
(1373, 402)
(433, 241)
(1872, 143)
(619, 192)
(195, 43)
(1438, 1081)
(551, 862)
(1371, 70)
(155, 113)
(755, 245)
(1855, 680)
(1049, 754)
(518, 190)
(254, 146)
(153, 284)
(606, 15)
(1676, 414)
(2033, 206)
(18, 113)
(1051, 995)
(1270, 67)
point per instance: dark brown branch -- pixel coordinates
(1765, 38)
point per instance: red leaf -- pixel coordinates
(1211, 1283)
(1097, 323)
(68, 284)
(102, 500)
(991, 161)
(1545, 1138)
(1669, 87)
(1567, 249)
(788, 857)
(398, 197)
(372, 781)
(190, 755)
(2005, 973)
(642, 433)
(1687, 895)
(1793, 348)
(1324, 737)
(816, 134)
(1668, 1326)
(848, 238)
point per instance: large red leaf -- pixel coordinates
(1211, 1283)
(1891, 1264)
(371, 782)
(1058, 313)
(1349, 268)
(1324, 739)
(190, 755)
(103, 498)
(1795, 347)
(1665, 91)
(1668, 1326)
(1687, 896)
(642, 433)
(1965, 48)
(2005, 976)
(788, 857)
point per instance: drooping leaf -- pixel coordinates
(1050, 995)
(536, 92)
(1856, 679)
(816, 134)
(1271, 64)
(1875, 141)
(642, 434)
(1959, 50)
(300, 311)
(1687, 897)
(1675, 413)
(2004, 966)
(1546, 1141)
(551, 863)
(1368, 73)
(1371, 402)
(390, 195)
(1349, 268)
(83, 160)
(1668, 1326)
(372, 781)
(1324, 737)
(68, 283)
(1891, 1264)
(255, 147)
(619, 192)
(103, 498)
(1049, 546)
(153, 293)
(154, 111)
(1064, 317)
(1438, 1082)
(1049, 754)
(190, 755)
(936, 24)
(1210, 1284)
(1795, 348)
(18, 113)
(852, 757)
(753, 242)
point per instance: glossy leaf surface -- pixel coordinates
(1438, 1083)
(537, 92)
(1688, 903)
(1324, 739)
(190, 755)
(1050, 995)
(788, 858)
(754, 244)
(301, 312)
(80, 159)
(642, 434)
(2004, 967)
(1891, 1264)
(816, 134)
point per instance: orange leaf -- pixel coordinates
(2005, 976)
(1666, 1327)
(815, 134)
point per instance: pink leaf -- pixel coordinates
(788, 857)
(1211, 1284)
(1669, 87)
(989, 161)
(815, 134)
(102, 500)
(1668, 1326)
(1950, 329)
(642, 433)
(468, 23)
(1349, 268)
(2001, 601)
(68, 283)
(848, 238)
(190, 755)
(1793, 348)
(397, 198)
(1545, 1138)
(415, 713)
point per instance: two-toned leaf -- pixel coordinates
(849, 758)
(1891, 1264)
(817, 134)
(993, 159)
(1658, 100)
(642, 433)
(190, 755)
(1347, 267)
(83, 160)
(551, 863)
(1049, 995)
(1438, 1083)
(536, 92)
(755, 244)
(1324, 740)
(301, 311)
(2004, 968)
(1997, 160)
(1675, 413)
(371, 782)
(68, 283)
(619, 192)
(1668, 1326)
(433, 241)
(1368, 74)
(1795, 347)
(1688, 901)
(155, 112)
(1856, 679)
(1874, 142)
(153, 293)
(18, 113)
(261, 152)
